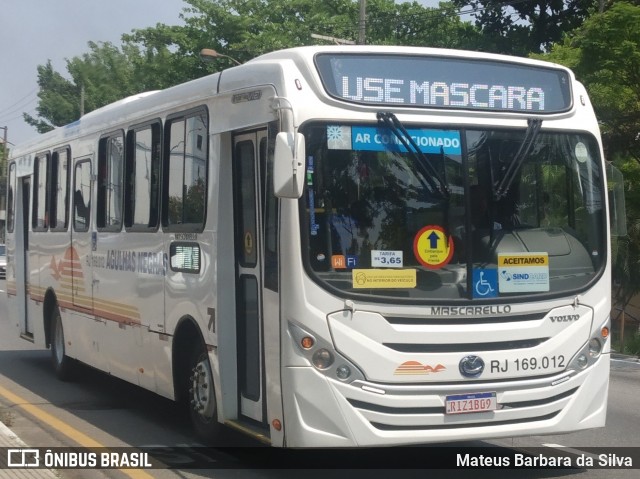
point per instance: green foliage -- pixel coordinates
(164, 56)
(519, 28)
(58, 103)
(631, 344)
(605, 55)
(105, 73)
(626, 250)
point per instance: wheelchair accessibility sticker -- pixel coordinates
(485, 283)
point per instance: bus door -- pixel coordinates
(22, 264)
(248, 241)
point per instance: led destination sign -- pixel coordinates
(444, 82)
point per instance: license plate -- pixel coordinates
(467, 403)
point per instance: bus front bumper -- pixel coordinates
(321, 412)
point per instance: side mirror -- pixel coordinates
(288, 165)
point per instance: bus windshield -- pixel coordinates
(452, 213)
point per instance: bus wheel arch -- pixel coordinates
(194, 383)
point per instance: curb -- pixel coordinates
(8, 440)
(625, 357)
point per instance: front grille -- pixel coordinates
(539, 402)
(445, 321)
(395, 410)
(362, 405)
(465, 347)
(389, 427)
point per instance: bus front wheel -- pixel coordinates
(62, 364)
(202, 398)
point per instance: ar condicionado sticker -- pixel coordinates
(432, 247)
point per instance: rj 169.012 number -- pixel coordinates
(527, 364)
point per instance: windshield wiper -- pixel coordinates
(502, 188)
(432, 176)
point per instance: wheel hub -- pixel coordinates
(202, 400)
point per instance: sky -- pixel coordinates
(35, 31)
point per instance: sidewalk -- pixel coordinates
(9, 440)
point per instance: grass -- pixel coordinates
(631, 345)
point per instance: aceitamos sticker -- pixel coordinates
(523, 272)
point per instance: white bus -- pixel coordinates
(330, 246)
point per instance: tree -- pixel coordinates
(413, 24)
(105, 75)
(58, 102)
(605, 55)
(162, 56)
(625, 251)
(244, 29)
(521, 27)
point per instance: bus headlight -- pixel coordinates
(323, 356)
(322, 359)
(343, 372)
(581, 361)
(591, 351)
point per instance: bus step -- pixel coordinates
(27, 336)
(258, 433)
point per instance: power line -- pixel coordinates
(20, 116)
(27, 95)
(19, 107)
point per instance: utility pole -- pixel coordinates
(3, 181)
(82, 100)
(4, 147)
(3, 160)
(362, 25)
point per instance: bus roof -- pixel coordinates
(309, 52)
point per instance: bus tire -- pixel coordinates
(63, 365)
(201, 397)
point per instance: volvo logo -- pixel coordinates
(471, 366)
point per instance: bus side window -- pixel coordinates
(40, 217)
(10, 198)
(59, 201)
(110, 178)
(142, 178)
(82, 196)
(185, 172)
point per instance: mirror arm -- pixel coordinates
(278, 106)
(293, 143)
